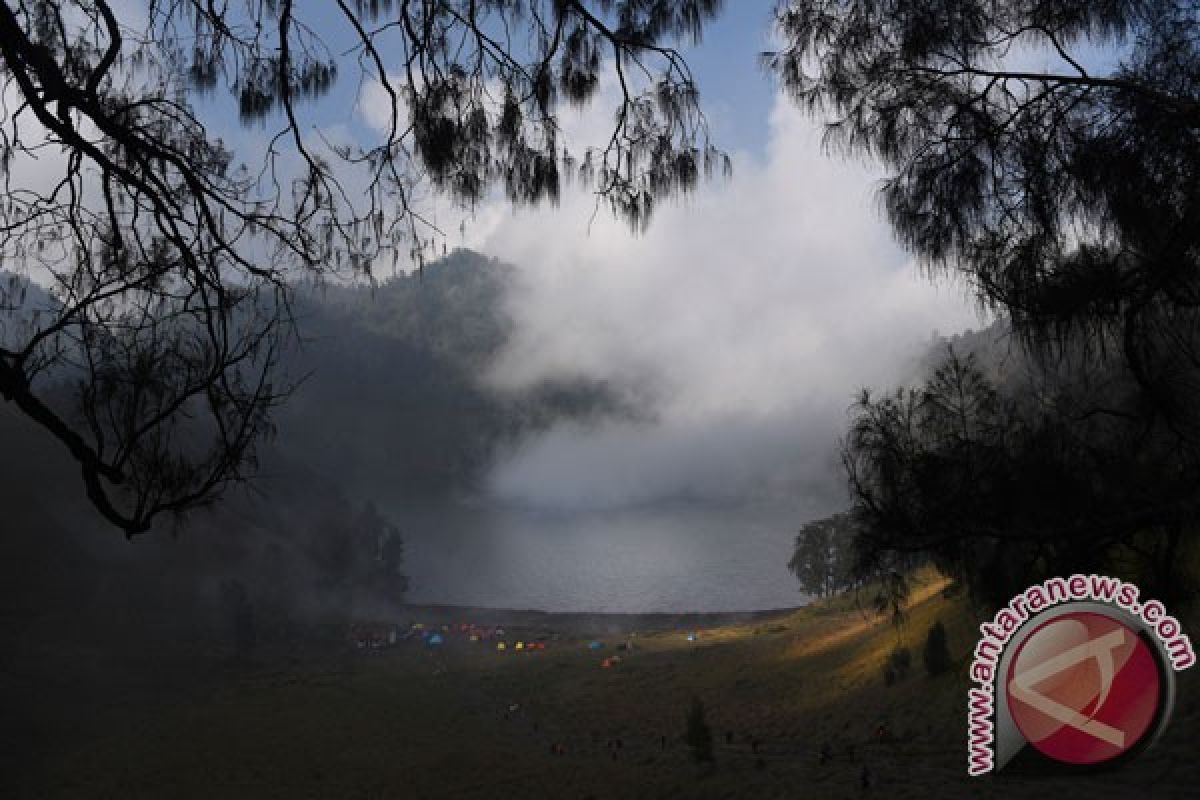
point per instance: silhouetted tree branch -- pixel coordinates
(1066, 196)
(152, 356)
(1002, 487)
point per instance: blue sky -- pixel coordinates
(736, 92)
(731, 81)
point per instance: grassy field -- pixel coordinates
(463, 721)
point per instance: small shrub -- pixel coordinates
(937, 654)
(896, 666)
(698, 736)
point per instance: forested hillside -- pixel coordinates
(396, 400)
(391, 401)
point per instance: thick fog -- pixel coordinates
(745, 318)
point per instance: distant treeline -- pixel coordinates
(396, 402)
(1004, 470)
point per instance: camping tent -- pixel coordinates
(436, 639)
(595, 645)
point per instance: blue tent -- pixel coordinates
(436, 639)
(595, 645)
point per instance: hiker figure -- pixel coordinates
(825, 755)
(663, 742)
(881, 733)
(864, 778)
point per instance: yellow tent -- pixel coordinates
(520, 645)
(501, 646)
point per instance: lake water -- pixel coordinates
(681, 558)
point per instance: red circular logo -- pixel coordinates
(1083, 688)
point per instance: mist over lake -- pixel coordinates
(669, 557)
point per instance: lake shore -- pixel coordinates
(583, 623)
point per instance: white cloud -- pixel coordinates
(756, 309)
